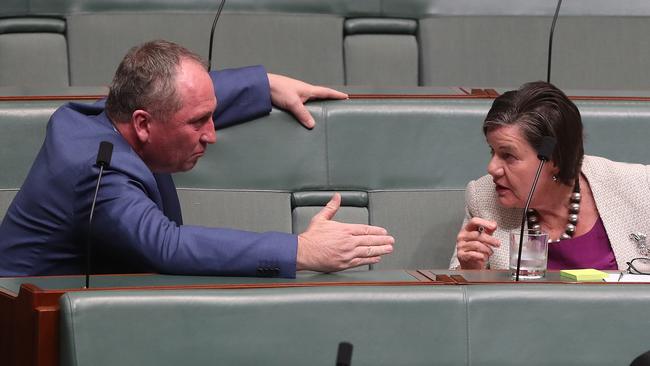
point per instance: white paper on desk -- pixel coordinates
(614, 277)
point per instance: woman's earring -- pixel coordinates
(555, 178)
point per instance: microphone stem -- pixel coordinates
(525, 215)
(214, 25)
(90, 223)
(550, 41)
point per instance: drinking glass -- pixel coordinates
(534, 254)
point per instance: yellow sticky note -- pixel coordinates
(585, 275)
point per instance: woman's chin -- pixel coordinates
(507, 202)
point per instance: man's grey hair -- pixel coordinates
(146, 79)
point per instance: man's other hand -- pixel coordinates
(291, 94)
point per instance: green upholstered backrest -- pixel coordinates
(22, 125)
(23, 130)
(33, 51)
(557, 325)
(597, 44)
(412, 325)
(381, 51)
(241, 39)
(62, 7)
(506, 324)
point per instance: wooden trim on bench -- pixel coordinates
(420, 96)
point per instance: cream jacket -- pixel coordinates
(621, 192)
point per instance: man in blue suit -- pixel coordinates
(159, 117)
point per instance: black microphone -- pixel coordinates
(103, 161)
(642, 360)
(344, 354)
(544, 152)
(214, 25)
(550, 41)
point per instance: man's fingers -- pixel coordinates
(328, 212)
(370, 251)
(356, 262)
(321, 92)
(302, 114)
(290, 94)
(340, 245)
(317, 92)
(361, 229)
(374, 240)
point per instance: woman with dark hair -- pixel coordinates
(595, 211)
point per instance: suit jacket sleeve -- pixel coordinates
(130, 228)
(242, 94)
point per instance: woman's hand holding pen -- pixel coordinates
(474, 243)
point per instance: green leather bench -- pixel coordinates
(300, 326)
(399, 163)
(312, 36)
(556, 324)
(532, 324)
(598, 45)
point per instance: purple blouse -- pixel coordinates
(591, 250)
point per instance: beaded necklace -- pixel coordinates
(532, 217)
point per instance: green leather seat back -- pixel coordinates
(248, 33)
(33, 51)
(483, 51)
(507, 324)
(557, 325)
(597, 45)
(23, 130)
(246, 39)
(412, 325)
(614, 129)
(424, 223)
(381, 52)
(405, 144)
(16, 6)
(243, 209)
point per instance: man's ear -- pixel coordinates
(141, 121)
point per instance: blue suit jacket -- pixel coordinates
(137, 225)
